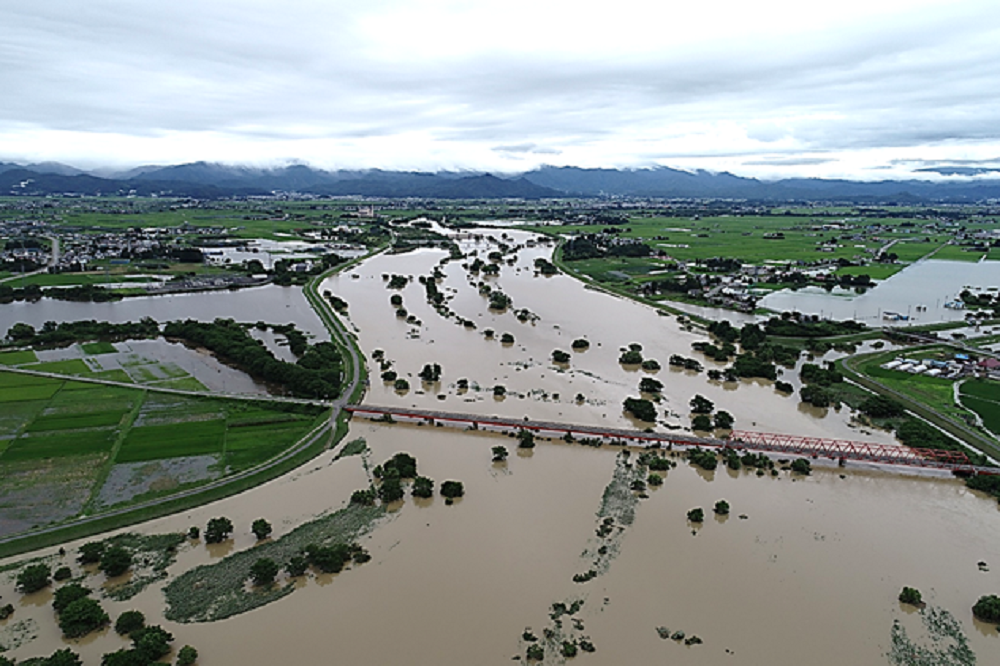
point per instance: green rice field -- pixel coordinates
(63, 438)
(983, 397)
(101, 347)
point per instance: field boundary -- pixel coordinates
(322, 437)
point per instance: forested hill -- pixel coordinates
(210, 181)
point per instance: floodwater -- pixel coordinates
(814, 568)
(928, 284)
(141, 359)
(810, 575)
(276, 305)
(537, 387)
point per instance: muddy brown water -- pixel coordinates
(813, 570)
(278, 305)
(810, 576)
(567, 311)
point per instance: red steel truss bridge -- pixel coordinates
(841, 450)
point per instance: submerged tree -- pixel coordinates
(218, 530)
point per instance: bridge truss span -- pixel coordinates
(839, 450)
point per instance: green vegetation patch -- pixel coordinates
(957, 253)
(151, 555)
(247, 447)
(983, 398)
(216, 591)
(95, 419)
(153, 442)
(912, 251)
(19, 357)
(874, 271)
(80, 443)
(102, 347)
(943, 642)
(27, 393)
(74, 366)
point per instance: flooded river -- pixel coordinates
(805, 570)
(537, 387)
(278, 305)
(813, 569)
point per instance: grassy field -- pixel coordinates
(983, 397)
(19, 357)
(957, 253)
(932, 391)
(911, 251)
(47, 424)
(102, 347)
(875, 271)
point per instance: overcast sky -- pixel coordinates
(771, 88)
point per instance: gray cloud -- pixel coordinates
(275, 76)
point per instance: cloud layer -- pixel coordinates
(862, 89)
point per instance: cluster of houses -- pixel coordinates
(957, 367)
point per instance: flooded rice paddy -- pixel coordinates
(920, 292)
(803, 569)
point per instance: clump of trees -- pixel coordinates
(987, 608)
(580, 344)
(506, 339)
(400, 466)
(364, 497)
(559, 356)
(115, 561)
(218, 530)
(721, 508)
(650, 365)
(696, 515)
(650, 385)
(499, 453)
(701, 405)
(724, 420)
(261, 529)
(525, 439)
(431, 372)
(701, 422)
(801, 466)
(630, 357)
(912, 596)
(264, 571)
(316, 374)
(640, 408)
(703, 458)
(401, 385)
(33, 578)
(880, 407)
(452, 489)
(422, 487)
(82, 616)
(129, 621)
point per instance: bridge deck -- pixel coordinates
(814, 447)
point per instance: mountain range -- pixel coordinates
(209, 181)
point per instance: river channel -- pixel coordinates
(805, 570)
